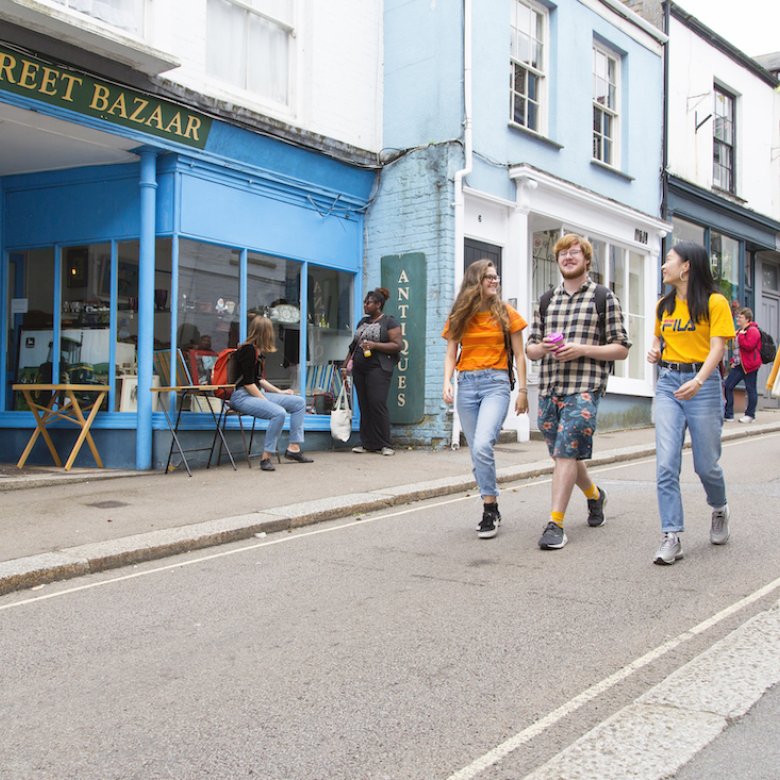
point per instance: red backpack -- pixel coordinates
(225, 372)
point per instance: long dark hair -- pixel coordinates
(700, 283)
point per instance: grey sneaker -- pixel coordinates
(488, 526)
(553, 537)
(669, 551)
(596, 509)
(719, 530)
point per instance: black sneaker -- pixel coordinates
(553, 537)
(596, 509)
(488, 527)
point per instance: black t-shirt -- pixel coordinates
(250, 367)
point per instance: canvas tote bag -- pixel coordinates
(341, 416)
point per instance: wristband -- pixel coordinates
(698, 381)
(522, 390)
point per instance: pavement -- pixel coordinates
(56, 525)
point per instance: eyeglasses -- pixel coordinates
(491, 277)
(570, 253)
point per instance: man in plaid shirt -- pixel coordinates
(572, 378)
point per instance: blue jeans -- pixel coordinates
(736, 375)
(272, 408)
(483, 401)
(702, 415)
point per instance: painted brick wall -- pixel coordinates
(412, 212)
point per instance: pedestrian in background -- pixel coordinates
(575, 345)
(373, 354)
(482, 325)
(745, 367)
(694, 321)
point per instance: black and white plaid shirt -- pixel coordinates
(576, 317)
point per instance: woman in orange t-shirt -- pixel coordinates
(480, 323)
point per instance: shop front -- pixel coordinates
(744, 249)
(139, 238)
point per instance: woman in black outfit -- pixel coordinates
(374, 353)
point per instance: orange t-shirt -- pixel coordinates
(482, 345)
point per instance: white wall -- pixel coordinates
(695, 65)
(336, 88)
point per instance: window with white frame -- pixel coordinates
(605, 105)
(623, 270)
(723, 141)
(249, 46)
(527, 74)
(127, 15)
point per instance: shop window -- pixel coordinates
(544, 270)
(208, 311)
(687, 231)
(623, 271)
(273, 288)
(724, 258)
(329, 328)
(260, 32)
(31, 324)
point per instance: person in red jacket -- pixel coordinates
(745, 366)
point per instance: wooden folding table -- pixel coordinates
(63, 405)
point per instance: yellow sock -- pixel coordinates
(592, 493)
(557, 518)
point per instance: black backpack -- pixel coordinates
(767, 350)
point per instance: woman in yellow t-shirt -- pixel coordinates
(693, 322)
(480, 323)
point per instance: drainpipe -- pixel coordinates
(459, 176)
(148, 198)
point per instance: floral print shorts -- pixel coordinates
(568, 423)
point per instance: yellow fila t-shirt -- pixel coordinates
(689, 342)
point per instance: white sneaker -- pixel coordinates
(360, 450)
(719, 530)
(388, 451)
(747, 419)
(728, 419)
(669, 551)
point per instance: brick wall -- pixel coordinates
(412, 212)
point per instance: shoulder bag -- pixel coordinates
(341, 416)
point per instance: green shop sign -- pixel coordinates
(66, 88)
(406, 278)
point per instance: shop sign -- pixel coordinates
(66, 88)
(406, 278)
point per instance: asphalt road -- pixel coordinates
(391, 646)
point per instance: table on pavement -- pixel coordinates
(63, 404)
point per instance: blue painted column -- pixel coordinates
(148, 199)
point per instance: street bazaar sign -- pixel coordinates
(405, 276)
(75, 91)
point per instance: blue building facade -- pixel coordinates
(509, 124)
(144, 239)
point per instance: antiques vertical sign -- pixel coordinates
(406, 278)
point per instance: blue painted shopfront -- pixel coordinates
(138, 273)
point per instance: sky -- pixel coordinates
(753, 26)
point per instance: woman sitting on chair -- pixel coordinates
(257, 397)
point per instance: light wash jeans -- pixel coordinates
(483, 401)
(703, 416)
(273, 408)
